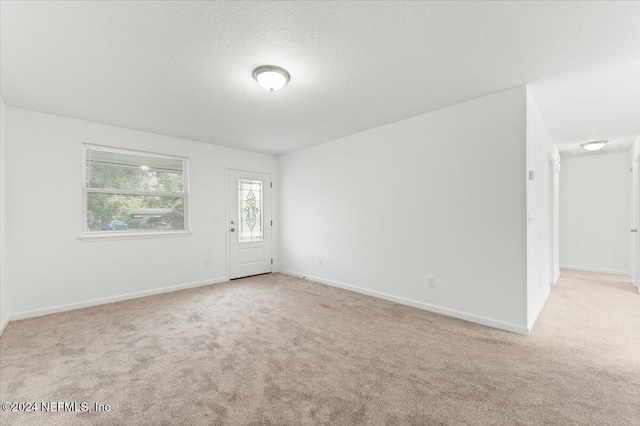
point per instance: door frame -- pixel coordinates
(551, 220)
(227, 217)
(635, 186)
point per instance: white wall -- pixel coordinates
(594, 213)
(441, 194)
(50, 269)
(4, 301)
(543, 215)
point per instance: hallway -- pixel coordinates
(596, 317)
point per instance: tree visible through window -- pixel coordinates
(129, 191)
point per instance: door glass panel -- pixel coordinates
(251, 221)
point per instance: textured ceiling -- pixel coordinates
(184, 68)
(592, 103)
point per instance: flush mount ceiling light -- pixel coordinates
(594, 146)
(271, 77)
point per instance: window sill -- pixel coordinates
(98, 236)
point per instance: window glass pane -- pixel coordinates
(251, 207)
(139, 172)
(115, 212)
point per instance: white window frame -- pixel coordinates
(110, 235)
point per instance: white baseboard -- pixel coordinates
(111, 299)
(540, 308)
(3, 325)
(514, 328)
(598, 270)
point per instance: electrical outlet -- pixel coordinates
(431, 282)
(207, 263)
(320, 262)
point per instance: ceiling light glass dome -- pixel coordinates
(271, 78)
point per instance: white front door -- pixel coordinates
(249, 224)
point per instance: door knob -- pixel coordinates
(634, 230)
(233, 229)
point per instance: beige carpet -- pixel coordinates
(276, 350)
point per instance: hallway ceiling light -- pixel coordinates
(594, 146)
(271, 77)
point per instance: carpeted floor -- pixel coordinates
(277, 350)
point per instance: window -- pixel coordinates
(128, 192)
